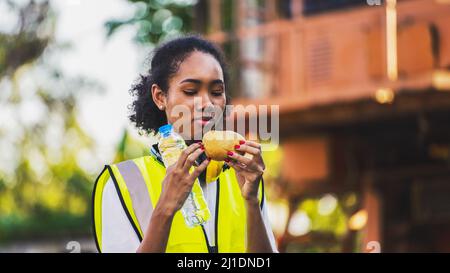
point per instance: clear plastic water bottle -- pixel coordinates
(195, 209)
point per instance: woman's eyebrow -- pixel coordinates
(191, 80)
(196, 81)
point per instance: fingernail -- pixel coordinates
(230, 153)
(241, 142)
(237, 146)
(227, 160)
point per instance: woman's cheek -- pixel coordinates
(180, 109)
(220, 101)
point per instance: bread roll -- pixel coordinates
(218, 143)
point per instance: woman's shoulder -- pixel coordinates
(127, 161)
(130, 169)
(146, 160)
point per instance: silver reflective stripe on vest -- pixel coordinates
(139, 194)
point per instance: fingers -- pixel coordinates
(247, 149)
(252, 144)
(184, 155)
(241, 159)
(198, 170)
(190, 160)
(254, 150)
(236, 165)
(250, 159)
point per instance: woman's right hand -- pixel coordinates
(178, 182)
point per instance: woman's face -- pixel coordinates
(195, 92)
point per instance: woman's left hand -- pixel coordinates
(249, 169)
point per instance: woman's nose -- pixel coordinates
(204, 103)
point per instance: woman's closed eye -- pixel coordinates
(218, 92)
(190, 92)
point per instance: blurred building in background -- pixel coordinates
(364, 107)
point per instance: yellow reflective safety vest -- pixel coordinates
(139, 182)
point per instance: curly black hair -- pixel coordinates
(165, 62)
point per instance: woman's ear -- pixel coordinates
(158, 97)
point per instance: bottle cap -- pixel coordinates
(165, 129)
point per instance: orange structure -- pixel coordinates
(364, 102)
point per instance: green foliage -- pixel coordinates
(228, 22)
(29, 40)
(156, 20)
(44, 190)
(129, 148)
(335, 222)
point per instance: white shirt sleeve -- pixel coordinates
(270, 234)
(117, 233)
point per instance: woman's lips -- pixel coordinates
(203, 121)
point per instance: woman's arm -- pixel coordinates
(249, 171)
(177, 185)
(257, 235)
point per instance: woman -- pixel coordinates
(137, 202)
